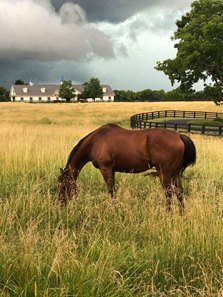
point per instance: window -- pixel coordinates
(48, 98)
(31, 99)
(21, 99)
(40, 98)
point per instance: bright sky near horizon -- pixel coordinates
(117, 41)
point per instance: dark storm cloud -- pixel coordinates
(104, 10)
(41, 72)
(47, 35)
(118, 11)
(32, 42)
(13, 69)
(43, 39)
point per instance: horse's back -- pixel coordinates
(114, 137)
(134, 150)
(119, 148)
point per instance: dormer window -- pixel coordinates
(25, 90)
(104, 90)
(43, 90)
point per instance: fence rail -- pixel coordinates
(146, 120)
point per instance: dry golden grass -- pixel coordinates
(92, 248)
(92, 115)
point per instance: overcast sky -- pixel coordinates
(117, 41)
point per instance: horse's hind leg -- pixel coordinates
(165, 180)
(178, 189)
(169, 193)
(109, 177)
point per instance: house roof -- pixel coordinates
(50, 90)
(35, 90)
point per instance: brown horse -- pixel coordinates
(114, 149)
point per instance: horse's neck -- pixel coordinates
(76, 160)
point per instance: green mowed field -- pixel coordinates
(92, 247)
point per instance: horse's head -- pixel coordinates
(66, 186)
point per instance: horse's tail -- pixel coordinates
(189, 158)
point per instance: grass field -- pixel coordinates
(92, 248)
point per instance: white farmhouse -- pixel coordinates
(50, 93)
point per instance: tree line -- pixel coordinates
(160, 95)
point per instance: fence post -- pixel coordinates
(220, 130)
(203, 129)
(189, 128)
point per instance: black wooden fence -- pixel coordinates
(147, 120)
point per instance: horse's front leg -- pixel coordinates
(109, 177)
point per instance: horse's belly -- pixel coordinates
(131, 167)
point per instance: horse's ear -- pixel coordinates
(61, 170)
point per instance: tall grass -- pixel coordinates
(92, 247)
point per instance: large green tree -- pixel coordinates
(199, 44)
(66, 90)
(19, 82)
(4, 94)
(92, 89)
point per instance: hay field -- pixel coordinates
(91, 248)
